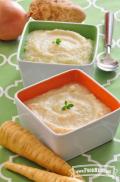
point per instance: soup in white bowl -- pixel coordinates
(58, 47)
(67, 108)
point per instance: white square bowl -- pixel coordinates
(34, 72)
(82, 139)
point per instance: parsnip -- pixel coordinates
(24, 143)
(37, 174)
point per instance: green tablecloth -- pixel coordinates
(10, 82)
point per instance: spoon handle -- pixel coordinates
(109, 23)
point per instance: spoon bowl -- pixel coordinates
(108, 64)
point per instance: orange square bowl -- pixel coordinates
(83, 138)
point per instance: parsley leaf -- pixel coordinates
(67, 106)
(57, 41)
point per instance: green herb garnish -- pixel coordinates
(57, 41)
(67, 106)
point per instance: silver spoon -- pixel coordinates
(107, 63)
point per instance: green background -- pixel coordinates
(10, 82)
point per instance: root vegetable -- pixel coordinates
(37, 174)
(24, 143)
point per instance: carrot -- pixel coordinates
(21, 141)
(37, 174)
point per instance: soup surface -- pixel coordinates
(67, 108)
(58, 47)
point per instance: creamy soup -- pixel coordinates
(58, 47)
(67, 108)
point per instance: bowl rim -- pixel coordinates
(53, 22)
(94, 122)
